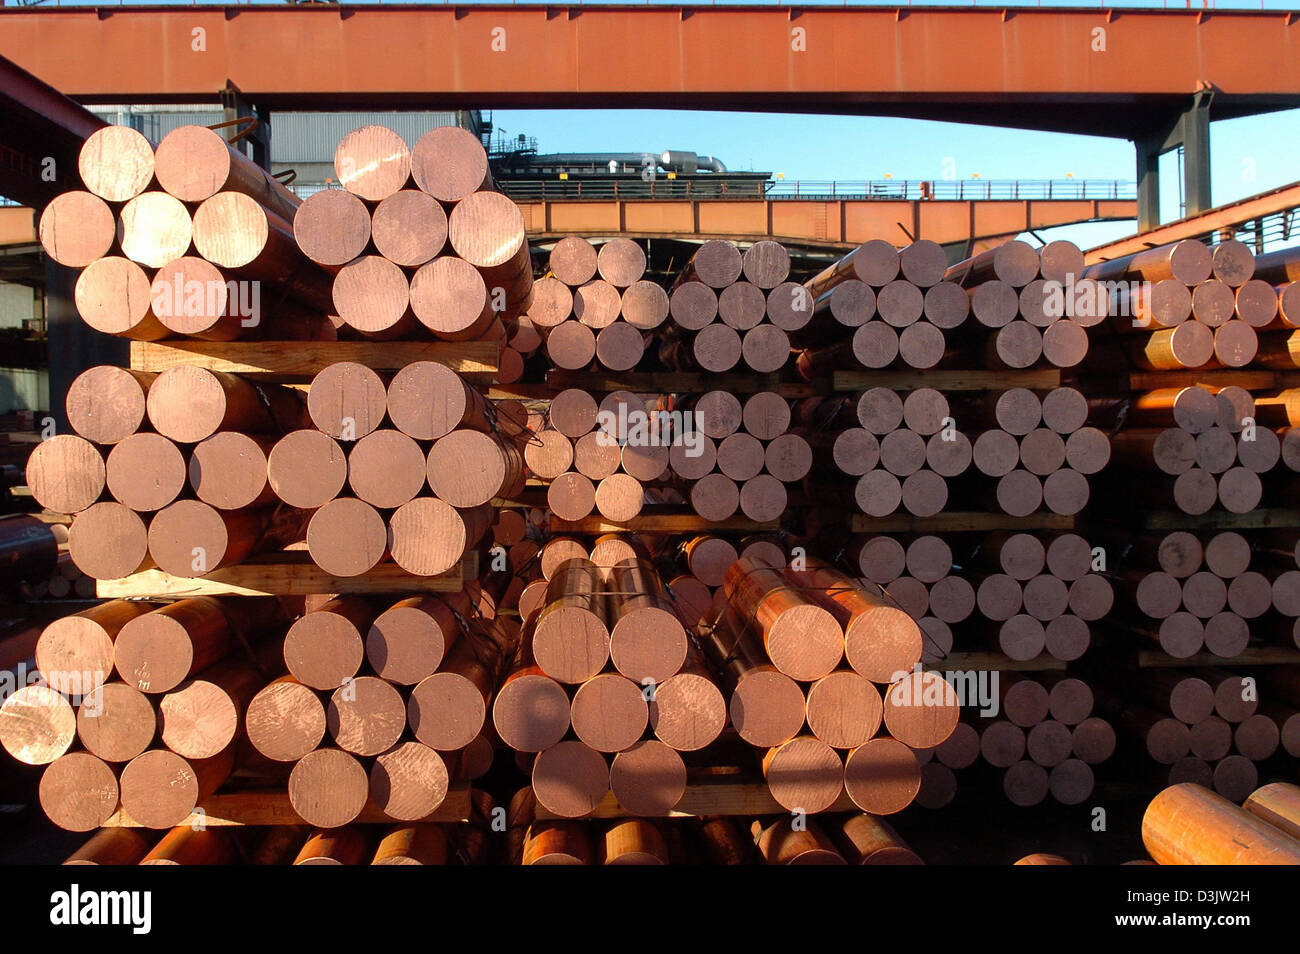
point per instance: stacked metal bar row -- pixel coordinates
(198, 469)
(632, 449)
(154, 707)
(854, 839)
(1217, 448)
(1021, 594)
(190, 240)
(421, 241)
(191, 470)
(1042, 735)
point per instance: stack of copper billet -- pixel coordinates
(1040, 733)
(190, 470)
(857, 838)
(1015, 451)
(712, 450)
(1009, 307)
(1187, 824)
(360, 703)
(191, 240)
(421, 242)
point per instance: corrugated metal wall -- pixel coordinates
(295, 137)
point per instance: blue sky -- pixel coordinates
(1247, 155)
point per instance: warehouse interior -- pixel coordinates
(491, 503)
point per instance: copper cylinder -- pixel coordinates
(412, 845)
(332, 227)
(409, 781)
(372, 162)
(766, 706)
(76, 228)
(530, 710)
(468, 468)
(160, 789)
(187, 845)
(802, 638)
(634, 841)
(688, 710)
(156, 651)
(342, 846)
(112, 846)
(328, 788)
(1189, 262)
(880, 639)
(37, 724)
(236, 232)
(571, 638)
(447, 709)
(1015, 263)
(284, 720)
(1188, 824)
(570, 779)
(189, 404)
(194, 163)
(557, 843)
(647, 640)
(867, 840)
(112, 296)
(781, 843)
(874, 263)
(1277, 803)
(200, 717)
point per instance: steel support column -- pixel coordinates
(1190, 130)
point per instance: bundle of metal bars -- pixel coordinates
(880, 534)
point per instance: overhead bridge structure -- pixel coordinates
(1155, 76)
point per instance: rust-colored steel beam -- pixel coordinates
(1217, 219)
(930, 63)
(839, 223)
(41, 131)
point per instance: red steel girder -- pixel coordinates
(41, 132)
(1072, 69)
(833, 223)
(1227, 217)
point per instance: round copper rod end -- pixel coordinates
(844, 710)
(921, 709)
(767, 708)
(882, 776)
(285, 720)
(372, 162)
(347, 537)
(78, 792)
(76, 228)
(804, 774)
(328, 788)
(116, 163)
(570, 779)
(648, 778)
(409, 781)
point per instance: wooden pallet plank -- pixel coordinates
(911, 380)
(663, 523)
(958, 522)
(285, 574)
(969, 662)
(288, 360)
(1253, 656)
(1221, 520)
(263, 808)
(674, 382)
(722, 796)
(1250, 379)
